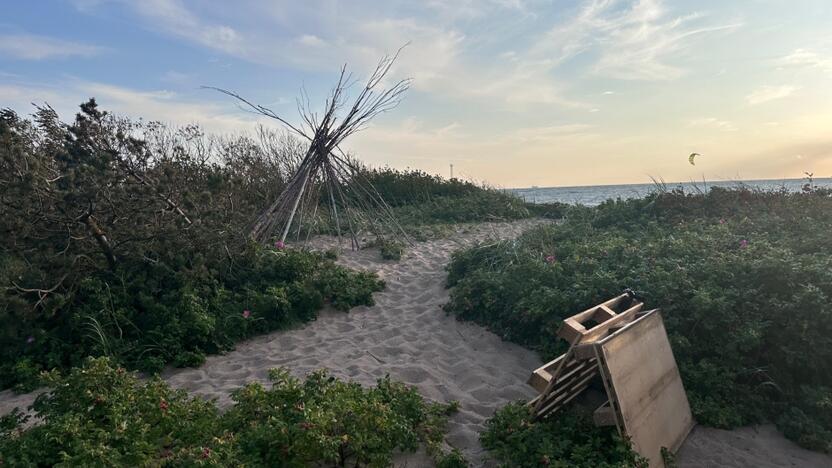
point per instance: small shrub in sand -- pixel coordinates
(571, 440)
(100, 415)
(743, 279)
(391, 250)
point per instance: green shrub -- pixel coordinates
(570, 440)
(391, 250)
(418, 198)
(103, 416)
(99, 415)
(129, 240)
(743, 279)
(146, 317)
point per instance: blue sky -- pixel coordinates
(513, 92)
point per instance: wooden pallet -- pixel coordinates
(630, 351)
(563, 379)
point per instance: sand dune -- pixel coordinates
(407, 335)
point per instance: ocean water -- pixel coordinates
(594, 195)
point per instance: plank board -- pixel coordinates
(645, 387)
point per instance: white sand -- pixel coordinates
(760, 446)
(407, 335)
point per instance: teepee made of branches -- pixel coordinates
(327, 176)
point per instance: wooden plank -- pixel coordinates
(645, 386)
(571, 331)
(611, 398)
(585, 351)
(541, 377)
(572, 327)
(567, 386)
(555, 374)
(577, 387)
(603, 313)
(599, 331)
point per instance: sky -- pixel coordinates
(514, 93)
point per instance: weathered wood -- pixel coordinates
(585, 351)
(645, 386)
(564, 394)
(599, 331)
(573, 326)
(555, 375)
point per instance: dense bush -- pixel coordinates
(743, 279)
(419, 198)
(103, 416)
(145, 316)
(571, 440)
(128, 240)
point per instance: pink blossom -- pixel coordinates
(722, 221)
(246, 314)
(206, 453)
(743, 243)
(551, 259)
(279, 245)
(30, 340)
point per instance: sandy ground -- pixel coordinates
(407, 335)
(760, 446)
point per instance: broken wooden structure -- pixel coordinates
(628, 348)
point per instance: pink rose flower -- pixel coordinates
(551, 259)
(246, 314)
(743, 243)
(279, 245)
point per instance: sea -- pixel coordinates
(593, 195)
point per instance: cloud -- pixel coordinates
(769, 93)
(551, 133)
(713, 122)
(311, 40)
(174, 18)
(633, 41)
(160, 105)
(807, 58)
(32, 47)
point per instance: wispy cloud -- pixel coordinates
(32, 47)
(807, 58)
(161, 105)
(769, 93)
(631, 40)
(173, 17)
(713, 123)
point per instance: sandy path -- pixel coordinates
(407, 335)
(745, 447)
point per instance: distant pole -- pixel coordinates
(452, 171)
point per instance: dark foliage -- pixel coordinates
(100, 415)
(743, 278)
(129, 240)
(572, 440)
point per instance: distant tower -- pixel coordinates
(452, 171)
